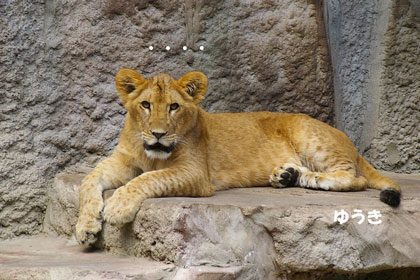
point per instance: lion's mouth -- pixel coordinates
(159, 147)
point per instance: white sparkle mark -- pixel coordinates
(184, 48)
(151, 48)
(168, 48)
(201, 48)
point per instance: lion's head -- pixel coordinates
(164, 109)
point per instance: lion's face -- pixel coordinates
(164, 109)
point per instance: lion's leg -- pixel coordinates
(110, 173)
(184, 180)
(333, 181)
(336, 180)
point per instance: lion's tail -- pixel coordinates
(390, 190)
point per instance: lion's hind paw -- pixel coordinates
(282, 177)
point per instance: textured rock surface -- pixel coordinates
(265, 232)
(49, 258)
(395, 144)
(58, 60)
(54, 258)
(375, 52)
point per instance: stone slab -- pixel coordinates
(266, 232)
(45, 257)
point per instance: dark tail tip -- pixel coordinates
(391, 197)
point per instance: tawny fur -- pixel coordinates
(208, 152)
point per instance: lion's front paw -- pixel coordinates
(121, 208)
(285, 176)
(87, 229)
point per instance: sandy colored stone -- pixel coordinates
(269, 232)
(53, 258)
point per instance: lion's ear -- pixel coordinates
(194, 84)
(127, 82)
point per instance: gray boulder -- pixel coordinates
(263, 233)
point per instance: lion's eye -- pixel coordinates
(174, 106)
(145, 104)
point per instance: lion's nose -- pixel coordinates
(158, 135)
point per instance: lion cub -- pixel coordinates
(169, 146)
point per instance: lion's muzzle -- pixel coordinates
(158, 147)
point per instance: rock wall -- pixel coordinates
(396, 142)
(58, 103)
(375, 54)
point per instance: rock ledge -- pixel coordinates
(262, 233)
